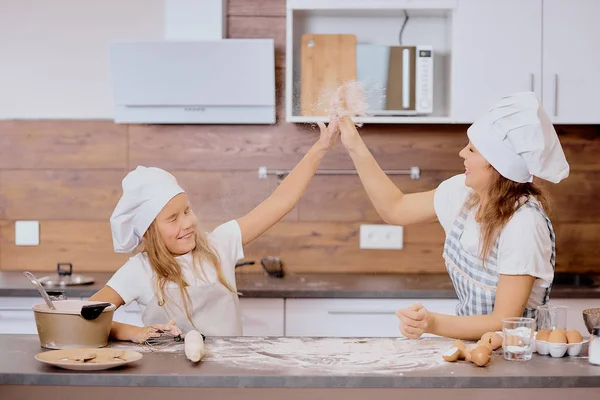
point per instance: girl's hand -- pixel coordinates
(329, 133)
(142, 334)
(414, 321)
(348, 132)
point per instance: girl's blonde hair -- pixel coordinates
(504, 198)
(167, 269)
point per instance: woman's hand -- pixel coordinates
(329, 134)
(349, 133)
(414, 321)
(142, 334)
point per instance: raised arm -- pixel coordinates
(393, 206)
(288, 193)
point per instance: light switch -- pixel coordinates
(27, 233)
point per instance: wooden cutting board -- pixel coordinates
(327, 61)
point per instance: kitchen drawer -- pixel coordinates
(352, 317)
(16, 315)
(262, 317)
(574, 312)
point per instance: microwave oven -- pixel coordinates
(398, 80)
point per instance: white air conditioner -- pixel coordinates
(228, 81)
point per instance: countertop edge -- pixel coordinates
(369, 381)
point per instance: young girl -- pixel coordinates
(181, 275)
(499, 248)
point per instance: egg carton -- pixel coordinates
(556, 350)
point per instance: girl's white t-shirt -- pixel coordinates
(134, 281)
(524, 247)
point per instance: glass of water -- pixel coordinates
(517, 342)
(551, 317)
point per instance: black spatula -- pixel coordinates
(93, 311)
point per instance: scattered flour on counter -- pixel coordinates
(320, 355)
(327, 355)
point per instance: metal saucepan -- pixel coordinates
(66, 327)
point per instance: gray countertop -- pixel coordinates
(392, 286)
(302, 363)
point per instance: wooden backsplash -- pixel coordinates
(67, 175)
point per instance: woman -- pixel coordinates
(499, 248)
(180, 274)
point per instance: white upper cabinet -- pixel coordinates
(571, 54)
(496, 51)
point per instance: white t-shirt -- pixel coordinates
(524, 246)
(134, 280)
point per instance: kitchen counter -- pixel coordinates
(256, 285)
(296, 363)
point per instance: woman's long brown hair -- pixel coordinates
(504, 198)
(167, 269)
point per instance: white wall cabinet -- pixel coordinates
(571, 61)
(546, 46)
(496, 51)
(352, 317)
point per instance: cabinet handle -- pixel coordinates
(361, 312)
(15, 309)
(531, 82)
(556, 95)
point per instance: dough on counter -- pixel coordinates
(194, 346)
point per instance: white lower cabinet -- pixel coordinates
(260, 317)
(16, 315)
(352, 317)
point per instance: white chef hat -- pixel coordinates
(518, 139)
(146, 190)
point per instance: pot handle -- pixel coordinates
(64, 272)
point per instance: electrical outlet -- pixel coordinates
(27, 233)
(383, 237)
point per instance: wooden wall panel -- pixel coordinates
(62, 144)
(85, 244)
(343, 198)
(67, 174)
(60, 194)
(254, 8)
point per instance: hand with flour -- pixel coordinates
(414, 321)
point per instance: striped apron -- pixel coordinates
(475, 284)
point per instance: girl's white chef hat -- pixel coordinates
(146, 190)
(518, 139)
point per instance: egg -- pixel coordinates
(481, 356)
(468, 351)
(557, 336)
(451, 355)
(542, 335)
(462, 347)
(573, 336)
(485, 344)
(492, 338)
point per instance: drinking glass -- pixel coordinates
(517, 342)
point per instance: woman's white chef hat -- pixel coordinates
(146, 190)
(518, 139)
